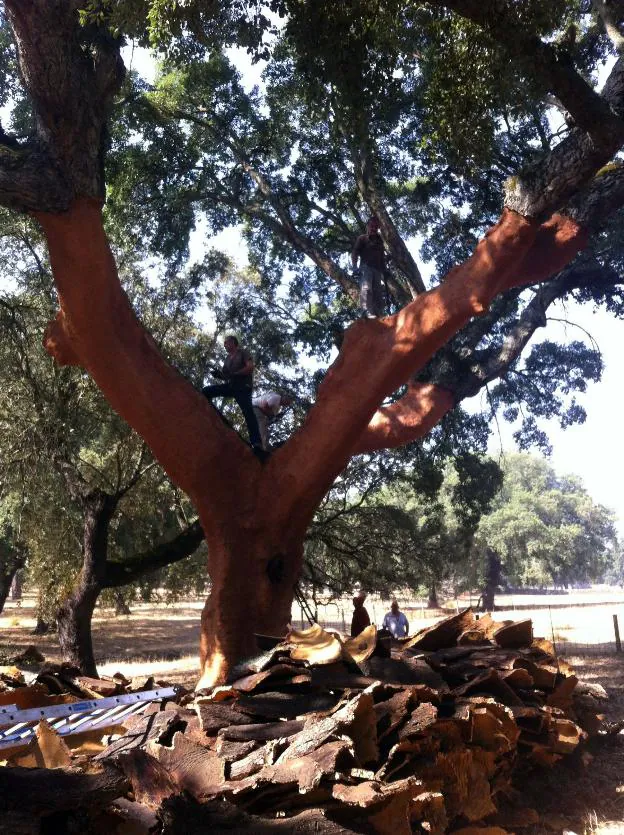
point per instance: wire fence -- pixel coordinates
(577, 626)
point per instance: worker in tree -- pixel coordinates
(360, 619)
(395, 622)
(237, 374)
(266, 409)
(369, 249)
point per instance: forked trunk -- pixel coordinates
(255, 516)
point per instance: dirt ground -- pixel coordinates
(578, 798)
(572, 799)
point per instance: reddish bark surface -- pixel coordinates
(255, 517)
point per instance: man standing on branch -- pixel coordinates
(266, 409)
(369, 249)
(237, 373)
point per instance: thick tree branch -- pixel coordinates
(71, 81)
(549, 65)
(424, 404)
(167, 553)
(411, 417)
(184, 432)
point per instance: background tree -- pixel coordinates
(542, 529)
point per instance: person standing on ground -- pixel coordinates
(360, 619)
(369, 249)
(395, 622)
(266, 408)
(237, 374)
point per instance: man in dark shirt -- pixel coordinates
(237, 372)
(361, 618)
(369, 249)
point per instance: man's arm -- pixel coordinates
(406, 622)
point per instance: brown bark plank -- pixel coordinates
(154, 726)
(192, 767)
(216, 715)
(421, 719)
(262, 733)
(232, 751)
(180, 814)
(275, 705)
(517, 634)
(544, 676)
(356, 719)
(278, 672)
(43, 791)
(443, 634)
(491, 683)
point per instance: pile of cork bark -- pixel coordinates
(328, 735)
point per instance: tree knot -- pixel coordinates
(276, 568)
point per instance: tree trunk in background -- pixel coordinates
(73, 619)
(121, 607)
(6, 578)
(432, 602)
(493, 579)
(17, 585)
(9, 567)
(42, 627)
(75, 613)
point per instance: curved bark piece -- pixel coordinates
(411, 417)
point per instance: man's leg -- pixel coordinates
(243, 398)
(218, 390)
(366, 290)
(263, 426)
(378, 299)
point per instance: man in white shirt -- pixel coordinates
(266, 408)
(395, 622)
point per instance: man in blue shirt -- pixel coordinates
(395, 622)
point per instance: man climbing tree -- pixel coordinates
(237, 373)
(393, 379)
(369, 249)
